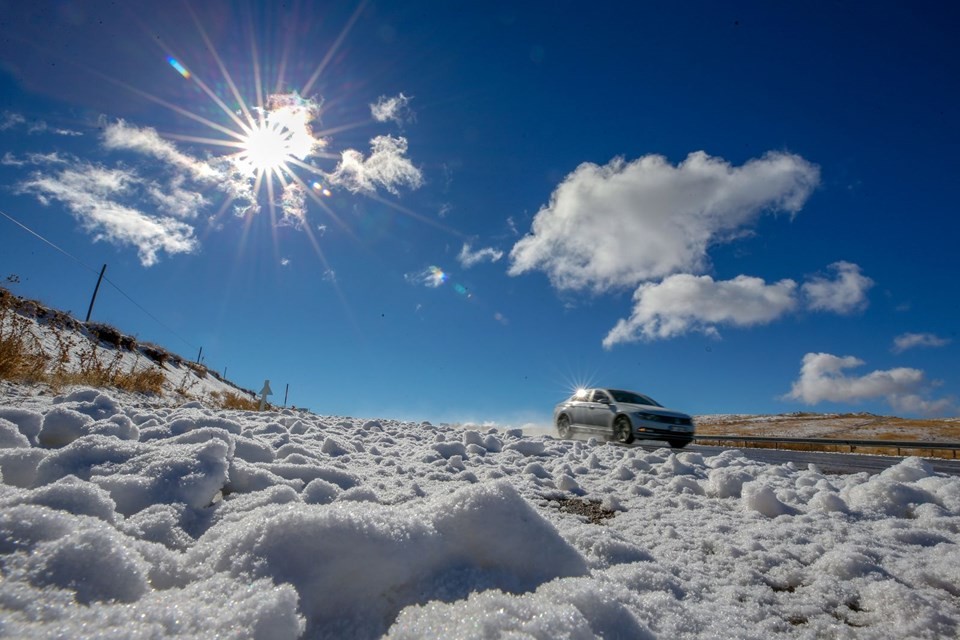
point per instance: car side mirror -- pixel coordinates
(603, 400)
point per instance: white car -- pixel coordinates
(622, 416)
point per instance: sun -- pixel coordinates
(277, 136)
(266, 149)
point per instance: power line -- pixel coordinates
(32, 232)
(88, 267)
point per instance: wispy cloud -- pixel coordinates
(910, 340)
(396, 109)
(53, 157)
(469, 257)
(845, 294)
(623, 223)
(684, 303)
(173, 198)
(823, 379)
(95, 196)
(145, 140)
(432, 277)
(387, 166)
(40, 126)
(9, 120)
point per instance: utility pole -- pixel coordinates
(285, 395)
(199, 354)
(95, 289)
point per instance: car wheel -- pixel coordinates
(622, 430)
(563, 427)
(678, 444)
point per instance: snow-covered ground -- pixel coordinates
(120, 518)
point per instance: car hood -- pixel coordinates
(628, 407)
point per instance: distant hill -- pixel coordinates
(854, 426)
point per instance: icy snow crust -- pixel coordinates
(123, 520)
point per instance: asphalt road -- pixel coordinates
(827, 462)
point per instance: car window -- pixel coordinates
(633, 398)
(600, 396)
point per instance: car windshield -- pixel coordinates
(633, 398)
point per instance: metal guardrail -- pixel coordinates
(899, 445)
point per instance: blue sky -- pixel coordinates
(734, 208)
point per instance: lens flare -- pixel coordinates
(436, 276)
(179, 67)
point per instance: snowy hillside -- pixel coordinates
(53, 347)
(121, 519)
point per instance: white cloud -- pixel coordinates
(93, 195)
(469, 258)
(626, 222)
(146, 140)
(396, 109)
(386, 166)
(913, 403)
(846, 294)
(174, 199)
(284, 262)
(293, 202)
(906, 390)
(684, 303)
(910, 340)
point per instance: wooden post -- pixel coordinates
(95, 289)
(285, 395)
(199, 354)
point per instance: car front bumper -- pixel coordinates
(658, 431)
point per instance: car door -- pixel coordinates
(598, 414)
(577, 409)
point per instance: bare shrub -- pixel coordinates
(198, 369)
(105, 333)
(156, 353)
(187, 383)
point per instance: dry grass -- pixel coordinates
(23, 358)
(96, 370)
(230, 400)
(849, 426)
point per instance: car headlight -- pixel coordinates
(645, 416)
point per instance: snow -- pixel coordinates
(122, 516)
